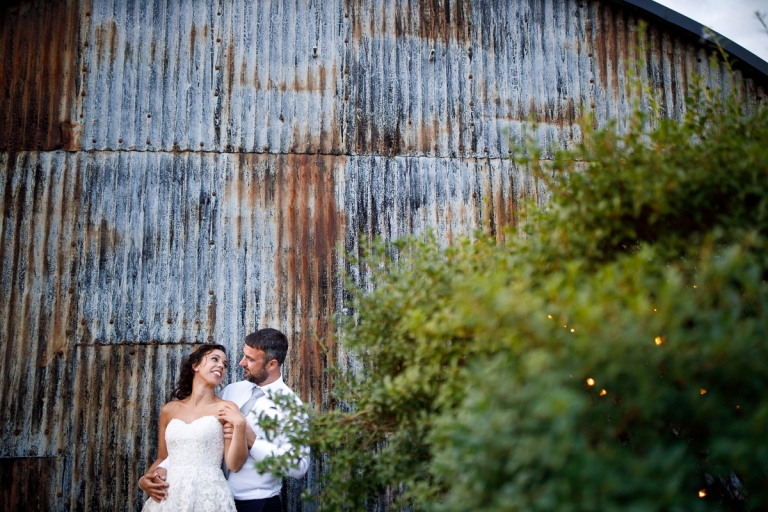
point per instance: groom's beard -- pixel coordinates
(258, 377)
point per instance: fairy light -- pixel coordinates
(702, 493)
(695, 286)
(658, 340)
(703, 391)
(655, 309)
(591, 381)
(573, 330)
(549, 316)
(603, 392)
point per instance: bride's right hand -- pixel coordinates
(229, 413)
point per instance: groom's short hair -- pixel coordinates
(273, 342)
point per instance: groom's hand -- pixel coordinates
(250, 435)
(154, 484)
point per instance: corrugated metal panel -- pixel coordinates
(36, 310)
(200, 75)
(120, 390)
(108, 255)
(38, 71)
(393, 197)
(26, 483)
(116, 258)
(438, 77)
(152, 248)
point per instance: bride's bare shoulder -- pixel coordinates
(170, 408)
(220, 401)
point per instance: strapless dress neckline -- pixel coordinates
(194, 420)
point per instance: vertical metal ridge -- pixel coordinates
(42, 295)
(624, 49)
(17, 274)
(8, 249)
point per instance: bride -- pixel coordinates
(192, 438)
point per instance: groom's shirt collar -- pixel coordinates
(272, 386)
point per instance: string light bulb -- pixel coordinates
(658, 340)
(590, 381)
(702, 493)
(703, 391)
(603, 392)
(573, 330)
(549, 316)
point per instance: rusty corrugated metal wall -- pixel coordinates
(182, 171)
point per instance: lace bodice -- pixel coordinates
(195, 480)
(204, 434)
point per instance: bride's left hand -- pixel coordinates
(229, 413)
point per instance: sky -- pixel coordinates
(735, 19)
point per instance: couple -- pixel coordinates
(199, 428)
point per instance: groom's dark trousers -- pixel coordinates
(272, 504)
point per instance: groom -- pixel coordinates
(263, 354)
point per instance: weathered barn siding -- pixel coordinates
(114, 263)
(177, 172)
(39, 50)
(442, 78)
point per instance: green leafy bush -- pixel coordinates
(614, 357)
(639, 392)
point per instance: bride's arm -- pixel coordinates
(235, 446)
(150, 483)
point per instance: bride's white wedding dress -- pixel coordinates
(195, 480)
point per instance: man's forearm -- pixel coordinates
(250, 436)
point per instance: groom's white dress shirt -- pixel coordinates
(249, 484)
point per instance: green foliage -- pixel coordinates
(669, 186)
(467, 386)
(661, 422)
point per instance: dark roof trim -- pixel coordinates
(699, 30)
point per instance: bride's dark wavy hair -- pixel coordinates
(184, 384)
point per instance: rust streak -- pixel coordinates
(39, 46)
(244, 73)
(432, 20)
(308, 225)
(602, 41)
(314, 82)
(288, 186)
(256, 81)
(192, 39)
(443, 20)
